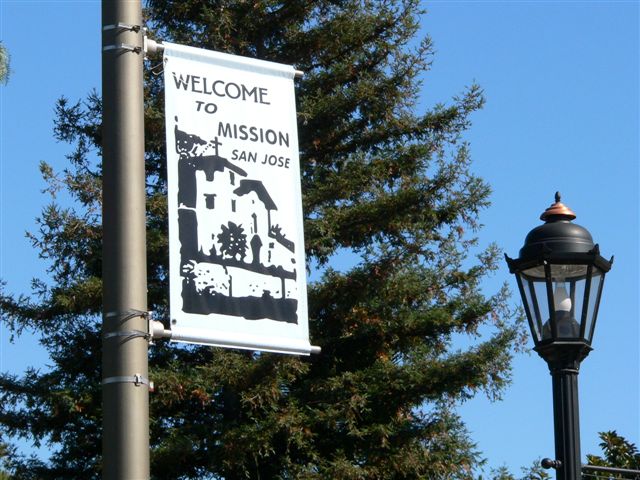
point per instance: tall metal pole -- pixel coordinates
(124, 349)
(566, 421)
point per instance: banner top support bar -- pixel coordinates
(152, 47)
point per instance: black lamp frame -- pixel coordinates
(551, 348)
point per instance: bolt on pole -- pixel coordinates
(125, 389)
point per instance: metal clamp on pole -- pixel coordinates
(136, 379)
(122, 46)
(129, 334)
(123, 317)
(128, 314)
(122, 26)
(154, 331)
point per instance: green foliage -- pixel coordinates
(380, 179)
(5, 68)
(618, 452)
(6, 453)
(535, 472)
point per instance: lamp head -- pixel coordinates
(560, 275)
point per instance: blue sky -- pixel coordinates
(562, 113)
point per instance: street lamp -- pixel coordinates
(560, 275)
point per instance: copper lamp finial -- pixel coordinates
(557, 211)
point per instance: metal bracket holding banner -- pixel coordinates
(128, 334)
(122, 46)
(127, 314)
(157, 330)
(137, 379)
(122, 26)
(152, 47)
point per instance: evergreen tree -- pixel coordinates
(534, 472)
(4, 455)
(380, 179)
(4, 64)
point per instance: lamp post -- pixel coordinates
(560, 275)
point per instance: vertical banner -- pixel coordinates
(236, 245)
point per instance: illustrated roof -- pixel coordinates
(247, 186)
(214, 163)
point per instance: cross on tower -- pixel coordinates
(215, 144)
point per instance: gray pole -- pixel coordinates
(124, 350)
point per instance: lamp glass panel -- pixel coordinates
(566, 325)
(558, 271)
(535, 288)
(597, 278)
(568, 288)
(536, 273)
(568, 271)
(530, 297)
(577, 288)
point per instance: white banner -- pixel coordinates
(236, 245)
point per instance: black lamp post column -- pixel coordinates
(566, 418)
(563, 359)
(566, 423)
(564, 366)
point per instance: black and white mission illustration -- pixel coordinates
(235, 258)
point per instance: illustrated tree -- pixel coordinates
(233, 240)
(383, 179)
